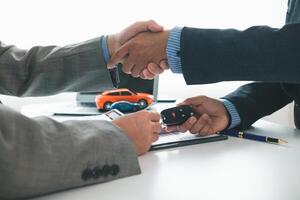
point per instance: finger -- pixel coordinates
(164, 64)
(206, 130)
(138, 27)
(164, 130)
(193, 101)
(198, 100)
(154, 27)
(185, 102)
(183, 127)
(120, 54)
(143, 26)
(155, 69)
(128, 65)
(156, 127)
(187, 125)
(154, 116)
(181, 103)
(171, 128)
(145, 74)
(155, 137)
(132, 30)
(201, 122)
(136, 71)
(148, 74)
(142, 76)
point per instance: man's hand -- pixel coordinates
(154, 69)
(141, 50)
(142, 128)
(212, 116)
(115, 41)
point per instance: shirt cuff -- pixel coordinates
(104, 46)
(235, 117)
(173, 50)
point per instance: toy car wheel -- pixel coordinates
(107, 106)
(143, 103)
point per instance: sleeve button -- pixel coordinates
(105, 170)
(115, 169)
(97, 172)
(86, 174)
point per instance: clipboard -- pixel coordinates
(177, 139)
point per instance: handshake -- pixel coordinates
(141, 48)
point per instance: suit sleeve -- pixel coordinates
(256, 100)
(40, 156)
(52, 69)
(259, 53)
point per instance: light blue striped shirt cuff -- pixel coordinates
(235, 117)
(104, 46)
(173, 50)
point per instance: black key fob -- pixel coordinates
(176, 115)
(114, 75)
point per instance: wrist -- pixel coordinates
(166, 36)
(235, 119)
(173, 50)
(227, 118)
(112, 43)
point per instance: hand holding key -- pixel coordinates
(210, 116)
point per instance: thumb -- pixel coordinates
(184, 102)
(139, 27)
(195, 101)
(164, 64)
(144, 26)
(154, 27)
(181, 104)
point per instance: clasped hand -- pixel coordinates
(144, 54)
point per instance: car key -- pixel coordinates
(177, 115)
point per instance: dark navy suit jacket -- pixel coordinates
(267, 55)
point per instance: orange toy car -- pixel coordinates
(104, 100)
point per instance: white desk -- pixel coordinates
(235, 169)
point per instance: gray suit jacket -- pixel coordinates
(40, 155)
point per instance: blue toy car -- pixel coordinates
(126, 106)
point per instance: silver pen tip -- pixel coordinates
(281, 141)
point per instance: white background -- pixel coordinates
(60, 22)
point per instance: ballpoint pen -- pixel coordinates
(251, 136)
